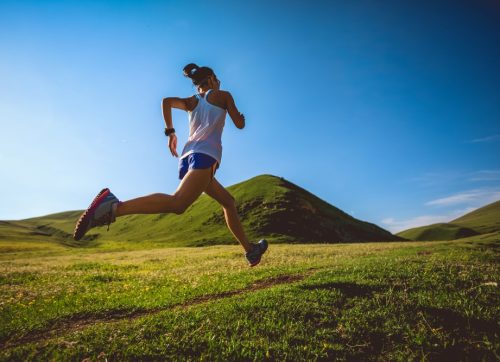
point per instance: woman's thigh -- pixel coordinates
(192, 186)
(216, 191)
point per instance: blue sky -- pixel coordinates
(389, 110)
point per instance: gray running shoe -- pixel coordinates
(100, 212)
(254, 255)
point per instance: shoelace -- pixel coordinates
(106, 219)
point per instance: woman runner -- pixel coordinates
(199, 161)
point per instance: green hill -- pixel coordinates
(484, 220)
(269, 207)
(441, 231)
(51, 228)
(481, 221)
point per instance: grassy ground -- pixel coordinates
(375, 301)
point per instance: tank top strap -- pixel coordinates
(198, 95)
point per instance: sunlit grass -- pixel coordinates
(357, 301)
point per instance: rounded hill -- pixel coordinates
(269, 207)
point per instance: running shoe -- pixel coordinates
(254, 255)
(100, 212)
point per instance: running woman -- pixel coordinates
(198, 163)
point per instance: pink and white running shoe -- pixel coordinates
(100, 212)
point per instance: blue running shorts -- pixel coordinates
(196, 161)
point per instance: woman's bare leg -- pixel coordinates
(216, 191)
(190, 188)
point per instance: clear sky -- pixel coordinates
(389, 110)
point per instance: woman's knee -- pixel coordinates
(180, 205)
(229, 202)
(179, 208)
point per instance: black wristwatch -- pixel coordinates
(169, 131)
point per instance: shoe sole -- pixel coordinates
(258, 261)
(255, 264)
(84, 218)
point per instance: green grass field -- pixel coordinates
(371, 301)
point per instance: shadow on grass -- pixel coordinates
(350, 290)
(467, 334)
(453, 321)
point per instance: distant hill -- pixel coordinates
(481, 221)
(269, 206)
(441, 231)
(55, 228)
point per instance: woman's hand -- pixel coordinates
(172, 144)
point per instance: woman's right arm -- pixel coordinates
(166, 105)
(237, 117)
(173, 102)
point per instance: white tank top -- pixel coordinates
(206, 122)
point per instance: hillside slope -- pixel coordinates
(481, 221)
(441, 231)
(269, 207)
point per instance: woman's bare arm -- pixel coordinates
(166, 105)
(237, 117)
(173, 102)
